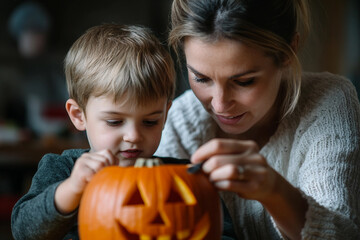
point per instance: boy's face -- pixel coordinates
(128, 131)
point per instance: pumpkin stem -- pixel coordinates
(148, 162)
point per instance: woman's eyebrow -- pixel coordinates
(242, 74)
(194, 71)
(232, 77)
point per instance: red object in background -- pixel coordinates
(7, 203)
(54, 111)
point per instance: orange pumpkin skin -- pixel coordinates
(162, 202)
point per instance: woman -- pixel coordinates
(281, 145)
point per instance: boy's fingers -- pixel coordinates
(110, 158)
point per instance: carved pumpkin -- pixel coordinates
(163, 203)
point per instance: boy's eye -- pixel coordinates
(245, 83)
(113, 122)
(150, 122)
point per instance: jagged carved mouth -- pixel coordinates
(200, 231)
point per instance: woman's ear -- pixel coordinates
(76, 114)
(295, 42)
(294, 46)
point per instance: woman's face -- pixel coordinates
(237, 84)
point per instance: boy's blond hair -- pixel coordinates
(119, 61)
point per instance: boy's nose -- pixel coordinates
(132, 134)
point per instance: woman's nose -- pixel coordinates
(221, 100)
(132, 134)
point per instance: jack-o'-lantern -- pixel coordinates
(146, 203)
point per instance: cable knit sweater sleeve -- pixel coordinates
(316, 149)
(326, 154)
(188, 126)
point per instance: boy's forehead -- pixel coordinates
(108, 103)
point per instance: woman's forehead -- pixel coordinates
(225, 54)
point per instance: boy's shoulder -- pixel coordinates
(69, 155)
(74, 153)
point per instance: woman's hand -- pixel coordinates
(237, 166)
(69, 192)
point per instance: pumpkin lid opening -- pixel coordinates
(148, 162)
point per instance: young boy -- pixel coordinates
(121, 83)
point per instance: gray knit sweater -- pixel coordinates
(316, 149)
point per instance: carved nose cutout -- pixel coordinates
(158, 220)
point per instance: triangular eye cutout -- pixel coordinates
(180, 192)
(136, 198)
(174, 197)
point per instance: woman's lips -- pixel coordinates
(131, 153)
(229, 120)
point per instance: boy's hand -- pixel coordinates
(69, 192)
(87, 165)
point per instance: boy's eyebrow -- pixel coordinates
(232, 77)
(156, 112)
(122, 113)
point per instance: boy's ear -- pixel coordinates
(76, 114)
(168, 106)
(167, 110)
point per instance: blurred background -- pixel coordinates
(35, 36)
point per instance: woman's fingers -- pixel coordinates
(247, 157)
(221, 147)
(237, 166)
(251, 181)
(249, 172)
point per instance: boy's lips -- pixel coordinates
(130, 153)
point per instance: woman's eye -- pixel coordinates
(113, 123)
(245, 83)
(150, 122)
(200, 79)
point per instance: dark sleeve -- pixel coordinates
(170, 160)
(228, 228)
(34, 216)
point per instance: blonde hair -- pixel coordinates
(119, 61)
(269, 25)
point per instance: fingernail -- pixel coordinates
(206, 168)
(221, 184)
